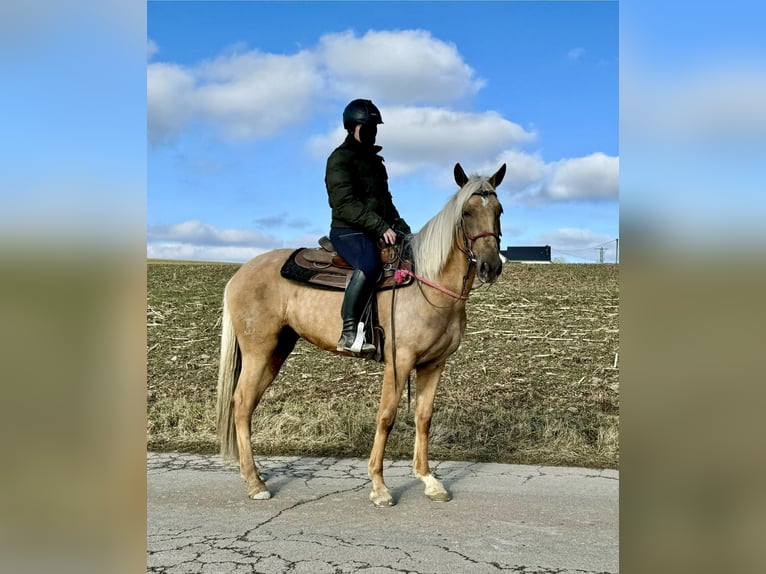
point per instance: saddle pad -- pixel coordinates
(318, 271)
(320, 259)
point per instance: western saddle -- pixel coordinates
(324, 268)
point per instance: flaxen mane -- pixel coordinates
(431, 246)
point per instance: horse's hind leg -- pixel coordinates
(427, 380)
(253, 382)
(259, 369)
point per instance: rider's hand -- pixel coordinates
(389, 236)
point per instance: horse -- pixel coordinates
(265, 314)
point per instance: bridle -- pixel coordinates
(467, 250)
(468, 241)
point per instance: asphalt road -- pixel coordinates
(523, 519)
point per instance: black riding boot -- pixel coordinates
(358, 292)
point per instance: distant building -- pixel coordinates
(529, 254)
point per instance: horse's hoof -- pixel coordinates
(434, 489)
(439, 496)
(382, 500)
(259, 494)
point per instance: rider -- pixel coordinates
(363, 213)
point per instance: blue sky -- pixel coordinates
(244, 101)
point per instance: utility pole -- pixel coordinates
(601, 254)
(616, 249)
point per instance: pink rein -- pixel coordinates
(401, 274)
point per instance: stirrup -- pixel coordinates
(358, 346)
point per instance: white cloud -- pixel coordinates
(406, 66)
(434, 138)
(187, 252)
(195, 240)
(523, 170)
(168, 100)
(595, 176)
(577, 244)
(434, 135)
(529, 179)
(198, 241)
(245, 96)
(417, 137)
(573, 238)
(197, 233)
(253, 94)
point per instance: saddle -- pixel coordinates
(322, 267)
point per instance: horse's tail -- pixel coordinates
(228, 373)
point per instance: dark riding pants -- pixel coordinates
(358, 249)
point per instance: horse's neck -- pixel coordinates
(456, 275)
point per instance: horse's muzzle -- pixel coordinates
(488, 271)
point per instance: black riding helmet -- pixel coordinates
(361, 112)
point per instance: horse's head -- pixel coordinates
(480, 224)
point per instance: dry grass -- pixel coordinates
(535, 380)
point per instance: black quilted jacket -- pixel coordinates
(357, 190)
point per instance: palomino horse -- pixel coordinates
(264, 315)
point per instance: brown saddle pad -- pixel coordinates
(324, 268)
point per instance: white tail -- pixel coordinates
(228, 372)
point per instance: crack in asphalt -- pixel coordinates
(299, 504)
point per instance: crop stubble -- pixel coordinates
(535, 381)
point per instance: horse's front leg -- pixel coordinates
(389, 401)
(427, 380)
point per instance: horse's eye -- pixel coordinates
(466, 213)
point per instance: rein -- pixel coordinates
(401, 274)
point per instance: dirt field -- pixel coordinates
(536, 380)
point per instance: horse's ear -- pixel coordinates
(460, 177)
(497, 179)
